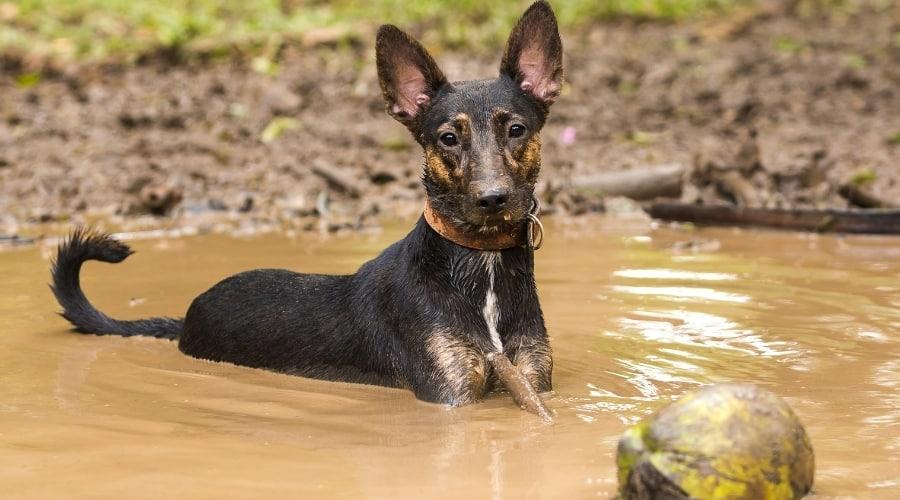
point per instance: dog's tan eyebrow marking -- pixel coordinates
(500, 114)
(464, 124)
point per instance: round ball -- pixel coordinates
(723, 441)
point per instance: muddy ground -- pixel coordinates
(165, 144)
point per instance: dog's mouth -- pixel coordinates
(500, 219)
(500, 222)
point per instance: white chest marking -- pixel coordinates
(491, 309)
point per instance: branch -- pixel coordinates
(518, 385)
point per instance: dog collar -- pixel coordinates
(528, 234)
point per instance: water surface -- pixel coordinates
(637, 315)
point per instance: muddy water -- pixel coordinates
(637, 318)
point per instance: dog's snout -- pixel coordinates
(493, 200)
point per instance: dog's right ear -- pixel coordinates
(533, 57)
(408, 75)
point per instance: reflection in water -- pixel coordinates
(683, 293)
(672, 274)
(71, 374)
(697, 329)
(634, 325)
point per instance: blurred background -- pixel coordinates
(267, 114)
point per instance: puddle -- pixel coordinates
(634, 324)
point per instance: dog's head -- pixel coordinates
(481, 138)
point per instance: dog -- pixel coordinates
(426, 313)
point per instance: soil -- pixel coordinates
(799, 105)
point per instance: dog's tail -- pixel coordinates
(84, 245)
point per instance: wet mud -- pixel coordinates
(800, 104)
(638, 316)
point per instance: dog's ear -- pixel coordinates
(533, 55)
(408, 75)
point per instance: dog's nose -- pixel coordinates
(492, 200)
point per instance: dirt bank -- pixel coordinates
(208, 144)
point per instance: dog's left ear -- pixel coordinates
(533, 55)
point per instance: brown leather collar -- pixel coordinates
(487, 241)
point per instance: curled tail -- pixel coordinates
(84, 245)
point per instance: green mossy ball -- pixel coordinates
(723, 441)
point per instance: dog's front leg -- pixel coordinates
(453, 373)
(533, 358)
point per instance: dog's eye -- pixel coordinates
(516, 130)
(449, 139)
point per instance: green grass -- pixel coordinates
(124, 29)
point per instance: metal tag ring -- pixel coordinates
(535, 240)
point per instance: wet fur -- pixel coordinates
(412, 317)
(420, 315)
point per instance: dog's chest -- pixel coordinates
(481, 278)
(491, 310)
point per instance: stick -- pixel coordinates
(15, 240)
(337, 179)
(638, 184)
(882, 221)
(734, 184)
(862, 198)
(515, 382)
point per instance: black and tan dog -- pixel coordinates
(425, 314)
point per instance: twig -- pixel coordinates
(862, 198)
(519, 386)
(15, 241)
(337, 180)
(883, 221)
(734, 184)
